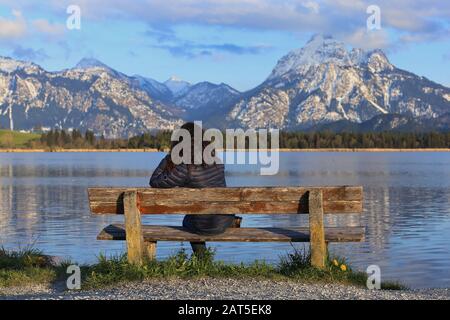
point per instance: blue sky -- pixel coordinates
(231, 41)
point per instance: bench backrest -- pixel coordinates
(242, 200)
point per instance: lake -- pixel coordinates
(43, 203)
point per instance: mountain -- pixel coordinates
(204, 100)
(324, 85)
(89, 96)
(325, 82)
(177, 86)
(8, 65)
(89, 63)
(155, 89)
(94, 96)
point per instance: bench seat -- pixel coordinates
(173, 233)
(314, 201)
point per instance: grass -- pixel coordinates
(27, 266)
(15, 139)
(31, 266)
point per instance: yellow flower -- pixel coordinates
(343, 267)
(336, 263)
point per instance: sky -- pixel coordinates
(237, 42)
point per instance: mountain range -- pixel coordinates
(323, 85)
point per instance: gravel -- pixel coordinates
(222, 289)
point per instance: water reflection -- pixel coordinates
(43, 201)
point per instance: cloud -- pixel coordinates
(161, 34)
(29, 54)
(168, 40)
(192, 50)
(368, 40)
(13, 28)
(18, 27)
(313, 6)
(45, 27)
(65, 47)
(413, 20)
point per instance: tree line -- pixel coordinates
(390, 140)
(75, 139)
(291, 140)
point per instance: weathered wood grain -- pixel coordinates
(258, 200)
(135, 240)
(316, 229)
(300, 234)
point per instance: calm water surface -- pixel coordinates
(43, 202)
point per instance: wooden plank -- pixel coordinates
(229, 193)
(262, 200)
(172, 233)
(316, 229)
(262, 207)
(135, 240)
(255, 207)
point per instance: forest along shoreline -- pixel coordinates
(288, 141)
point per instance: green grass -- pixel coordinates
(30, 266)
(27, 266)
(16, 139)
(181, 265)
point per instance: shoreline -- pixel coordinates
(152, 150)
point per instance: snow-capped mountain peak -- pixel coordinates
(318, 50)
(9, 65)
(177, 86)
(95, 66)
(88, 63)
(144, 81)
(325, 81)
(154, 88)
(377, 61)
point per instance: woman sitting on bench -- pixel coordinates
(169, 175)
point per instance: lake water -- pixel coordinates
(43, 202)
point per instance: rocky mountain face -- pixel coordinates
(96, 97)
(205, 100)
(89, 96)
(324, 82)
(177, 86)
(322, 85)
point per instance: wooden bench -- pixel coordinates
(315, 201)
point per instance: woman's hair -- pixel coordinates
(191, 128)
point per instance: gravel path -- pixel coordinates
(224, 289)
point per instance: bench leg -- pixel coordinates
(316, 229)
(150, 250)
(135, 240)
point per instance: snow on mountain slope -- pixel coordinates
(154, 88)
(89, 96)
(8, 65)
(203, 94)
(321, 83)
(95, 96)
(177, 86)
(325, 82)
